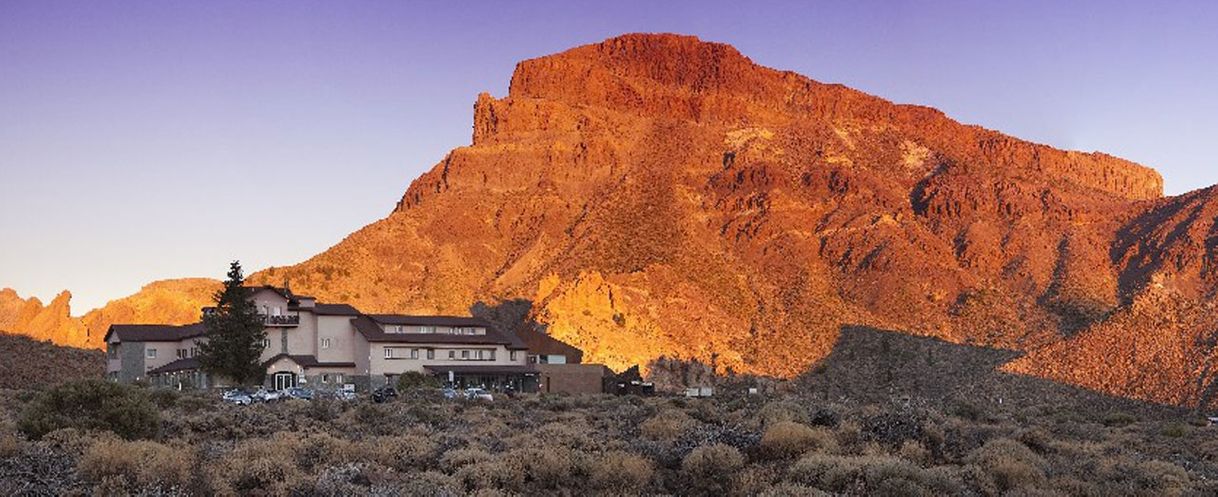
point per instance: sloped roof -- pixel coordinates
(543, 344)
(178, 365)
(370, 328)
(308, 361)
(154, 332)
(333, 309)
(405, 319)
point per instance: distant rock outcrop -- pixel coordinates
(168, 301)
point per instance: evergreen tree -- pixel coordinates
(234, 333)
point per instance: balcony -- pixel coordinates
(285, 320)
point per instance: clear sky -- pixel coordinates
(150, 140)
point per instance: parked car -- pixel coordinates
(346, 393)
(449, 393)
(384, 394)
(237, 397)
(478, 394)
(264, 395)
(298, 393)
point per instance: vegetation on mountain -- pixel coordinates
(29, 364)
(234, 332)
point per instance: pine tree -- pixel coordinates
(234, 333)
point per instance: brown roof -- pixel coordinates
(368, 327)
(309, 361)
(430, 320)
(540, 343)
(178, 365)
(333, 309)
(154, 332)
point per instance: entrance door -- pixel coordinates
(284, 380)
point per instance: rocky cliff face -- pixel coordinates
(168, 301)
(659, 195)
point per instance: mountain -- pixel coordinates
(657, 195)
(167, 301)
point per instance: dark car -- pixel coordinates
(384, 394)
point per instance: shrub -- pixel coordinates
(872, 475)
(782, 410)
(140, 464)
(708, 469)
(92, 405)
(414, 380)
(1175, 430)
(403, 452)
(666, 425)
(458, 458)
(267, 465)
(1119, 419)
(1009, 464)
(789, 439)
(622, 472)
(9, 445)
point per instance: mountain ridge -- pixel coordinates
(657, 195)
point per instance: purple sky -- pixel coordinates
(149, 140)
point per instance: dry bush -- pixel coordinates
(10, 445)
(1009, 465)
(424, 484)
(499, 473)
(777, 411)
(269, 465)
(621, 472)
(92, 405)
(1123, 475)
(402, 452)
(791, 490)
(455, 459)
(756, 478)
(784, 439)
(915, 452)
(549, 468)
(708, 469)
(141, 464)
(666, 425)
(873, 475)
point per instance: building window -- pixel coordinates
(414, 353)
(181, 353)
(452, 354)
(194, 351)
(465, 354)
(325, 343)
(388, 353)
(266, 343)
(431, 353)
(512, 355)
(150, 353)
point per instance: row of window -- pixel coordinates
(397, 328)
(453, 354)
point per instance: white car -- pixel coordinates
(264, 395)
(237, 397)
(478, 394)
